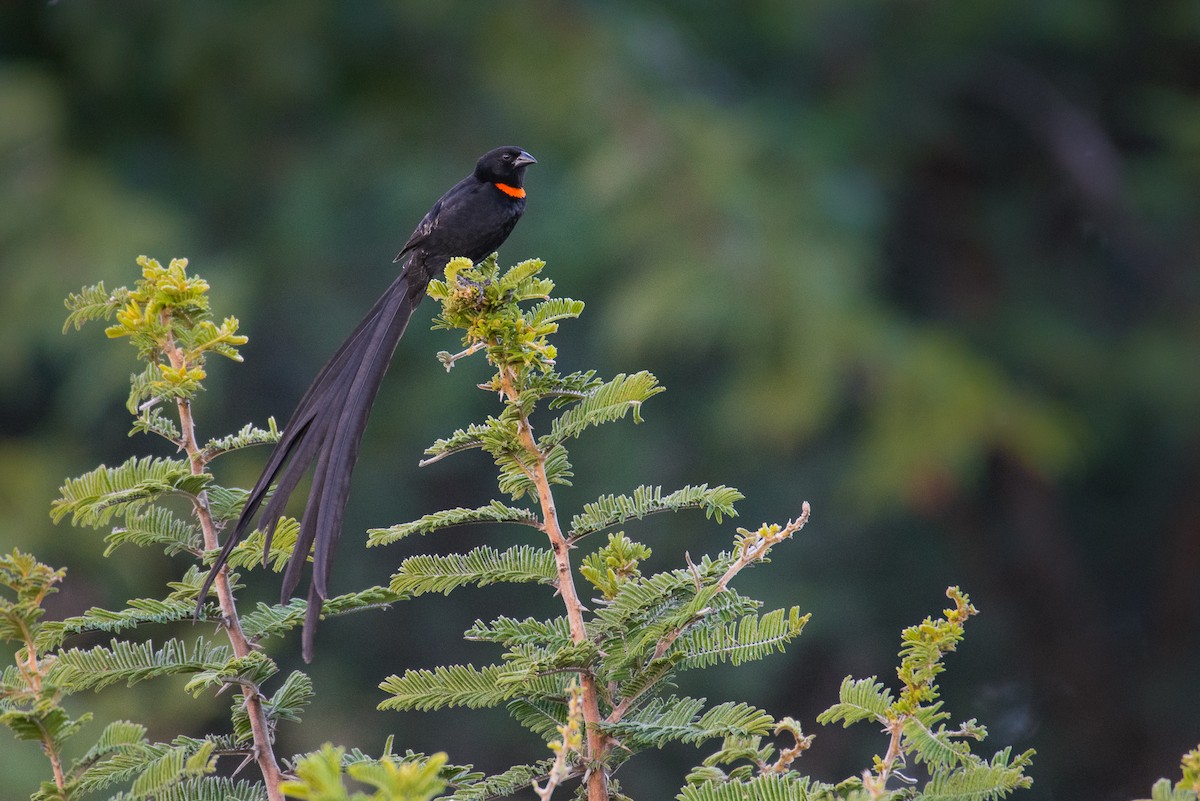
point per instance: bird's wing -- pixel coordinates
(443, 209)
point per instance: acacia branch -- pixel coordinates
(260, 729)
(753, 549)
(597, 742)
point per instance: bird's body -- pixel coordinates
(472, 219)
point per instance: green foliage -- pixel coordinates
(460, 685)
(180, 605)
(613, 510)
(768, 787)
(30, 699)
(93, 303)
(604, 404)
(166, 316)
(480, 566)
(495, 512)
(96, 668)
(248, 436)
(1187, 788)
(595, 684)
(287, 703)
(501, 785)
(614, 564)
(915, 719)
(155, 526)
(30, 582)
(168, 319)
(669, 718)
(644, 629)
(93, 498)
(275, 620)
(249, 552)
(753, 637)
(862, 699)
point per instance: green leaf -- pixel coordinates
(503, 784)
(506, 630)
(495, 512)
(248, 436)
(552, 310)
(278, 619)
(249, 552)
(286, 703)
(253, 668)
(152, 421)
(176, 764)
(289, 701)
(76, 670)
(769, 787)
(521, 281)
(318, 776)
(461, 440)
(865, 699)
(140, 611)
(612, 510)
(751, 638)
(935, 748)
(514, 479)
(642, 601)
(979, 780)
(542, 716)
(204, 788)
(448, 686)
(93, 303)
(156, 526)
(93, 498)
(481, 566)
(561, 389)
(44, 723)
(402, 780)
(608, 402)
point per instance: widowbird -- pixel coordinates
(471, 220)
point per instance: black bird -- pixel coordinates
(471, 220)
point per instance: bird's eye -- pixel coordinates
(508, 156)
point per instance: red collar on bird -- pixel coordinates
(511, 191)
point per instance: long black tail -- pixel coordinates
(326, 427)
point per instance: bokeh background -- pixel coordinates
(930, 266)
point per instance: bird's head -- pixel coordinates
(504, 165)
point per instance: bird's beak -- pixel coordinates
(523, 158)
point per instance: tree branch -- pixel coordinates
(260, 729)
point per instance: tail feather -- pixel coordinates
(346, 439)
(327, 428)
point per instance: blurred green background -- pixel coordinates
(930, 266)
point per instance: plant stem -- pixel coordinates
(597, 743)
(264, 753)
(32, 673)
(877, 785)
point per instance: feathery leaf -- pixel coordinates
(480, 566)
(495, 512)
(613, 510)
(93, 498)
(608, 402)
(93, 303)
(446, 686)
(865, 699)
(155, 526)
(76, 670)
(753, 637)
